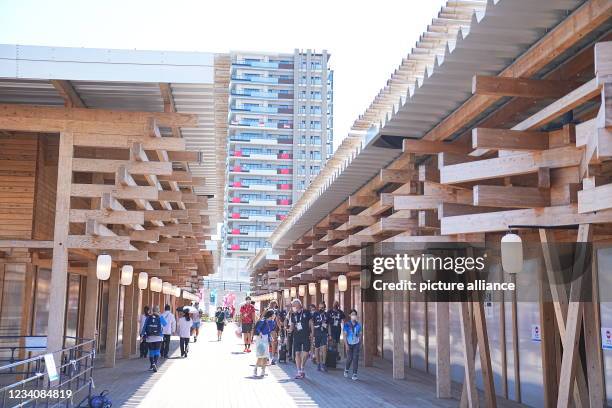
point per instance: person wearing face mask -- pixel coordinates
(263, 329)
(337, 317)
(301, 327)
(352, 334)
(273, 307)
(321, 323)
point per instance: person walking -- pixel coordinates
(247, 317)
(263, 329)
(197, 321)
(153, 331)
(141, 321)
(184, 332)
(168, 330)
(220, 317)
(301, 327)
(321, 331)
(337, 320)
(273, 306)
(352, 330)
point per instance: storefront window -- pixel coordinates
(41, 303)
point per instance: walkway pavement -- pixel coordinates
(218, 374)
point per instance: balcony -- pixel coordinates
(263, 64)
(262, 186)
(254, 217)
(263, 109)
(262, 124)
(257, 171)
(261, 140)
(236, 232)
(263, 79)
(261, 156)
(261, 202)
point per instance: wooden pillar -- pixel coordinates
(369, 322)
(111, 325)
(592, 342)
(128, 320)
(443, 363)
(470, 392)
(59, 266)
(136, 312)
(548, 345)
(27, 305)
(91, 302)
(397, 320)
(329, 296)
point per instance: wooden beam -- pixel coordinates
(112, 166)
(68, 93)
(595, 199)
(429, 147)
(496, 139)
(520, 87)
(511, 197)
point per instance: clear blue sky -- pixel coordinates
(367, 39)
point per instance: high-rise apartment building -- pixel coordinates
(280, 136)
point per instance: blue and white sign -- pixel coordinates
(606, 338)
(51, 368)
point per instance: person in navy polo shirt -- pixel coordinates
(300, 326)
(321, 321)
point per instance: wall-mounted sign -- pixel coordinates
(536, 332)
(51, 368)
(606, 338)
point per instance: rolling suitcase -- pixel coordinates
(331, 359)
(282, 354)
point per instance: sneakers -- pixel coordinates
(323, 368)
(318, 367)
(354, 377)
(255, 372)
(248, 350)
(346, 373)
(154, 368)
(298, 375)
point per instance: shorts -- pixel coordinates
(320, 339)
(220, 326)
(301, 343)
(154, 348)
(195, 325)
(247, 327)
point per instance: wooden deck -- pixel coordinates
(220, 375)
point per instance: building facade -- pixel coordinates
(280, 136)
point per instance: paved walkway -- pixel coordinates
(218, 374)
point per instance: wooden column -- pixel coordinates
(369, 322)
(329, 296)
(128, 320)
(443, 377)
(28, 305)
(592, 342)
(397, 320)
(136, 312)
(91, 302)
(548, 346)
(469, 384)
(59, 266)
(111, 325)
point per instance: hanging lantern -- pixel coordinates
(143, 280)
(127, 273)
(286, 293)
(167, 288)
(512, 253)
(103, 266)
(302, 290)
(312, 289)
(156, 284)
(293, 292)
(177, 292)
(342, 283)
(324, 286)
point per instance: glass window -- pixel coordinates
(41, 302)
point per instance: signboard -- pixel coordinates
(35, 343)
(51, 368)
(606, 338)
(536, 333)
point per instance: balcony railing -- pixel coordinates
(269, 124)
(264, 64)
(261, 201)
(262, 109)
(262, 79)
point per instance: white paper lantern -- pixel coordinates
(286, 293)
(143, 280)
(512, 253)
(103, 266)
(312, 289)
(293, 292)
(167, 288)
(342, 283)
(302, 290)
(127, 273)
(324, 286)
(177, 292)
(156, 284)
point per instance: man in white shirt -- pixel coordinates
(167, 330)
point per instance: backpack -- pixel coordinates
(100, 401)
(153, 326)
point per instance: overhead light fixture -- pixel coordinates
(286, 293)
(293, 292)
(156, 284)
(103, 266)
(342, 283)
(312, 289)
(127, 273)
(302, 290)
(167, 288)
(143, 280)
(512, 253)
(324, 286)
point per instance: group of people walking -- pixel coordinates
(302, 333)
(157, 328)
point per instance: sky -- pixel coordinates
(367, 39)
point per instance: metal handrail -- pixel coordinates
(75, 374)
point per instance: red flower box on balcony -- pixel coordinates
(283, 201)
(238, 153)
(235, 215)
(236, 184)
(283, 156)
(283, 186)
(237, 168)
(281, 217)
(235, 247)
(236, 231)
(235, 199)
(284, 171)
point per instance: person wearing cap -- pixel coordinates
(321, 326)
(247, 317)
(300, 326)
(337, 319)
